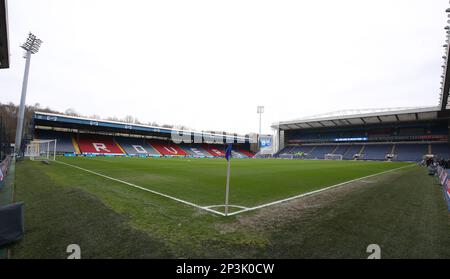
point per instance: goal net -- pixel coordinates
(333, 156)
(41, 150)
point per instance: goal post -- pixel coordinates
(333, 157)
(41, 150)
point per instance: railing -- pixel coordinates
(4, 167)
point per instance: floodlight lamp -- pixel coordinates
(260, 109)
(32, 43)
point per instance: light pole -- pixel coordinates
(260, 111)
(31, 46)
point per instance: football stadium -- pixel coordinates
(330, 185)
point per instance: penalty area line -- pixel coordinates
(314, 192)
(206, 208)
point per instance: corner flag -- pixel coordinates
(228, 152)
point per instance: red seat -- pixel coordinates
(246, 153)
(168, 148)
(98, 145)
(216, 151)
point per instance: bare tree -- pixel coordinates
(128, 119)
(71, 112)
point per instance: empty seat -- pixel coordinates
(97, 144)
(167, 148)
(441, 150)
(195, 150)
(136, 146)
(410, 152)
(320, 151)
(341, 149)
(64, 142)
(352, 150)
(376, 151)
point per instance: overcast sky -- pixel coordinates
(208, 64)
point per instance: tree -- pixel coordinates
(71, 112)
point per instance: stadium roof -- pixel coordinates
(60, 120)
(4, 44)
(361, 117)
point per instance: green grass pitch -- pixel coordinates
(403, 211)
(253, 182)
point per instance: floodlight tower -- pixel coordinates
(31, 46)
(260, 111)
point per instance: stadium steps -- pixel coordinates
(195, 150)
(120, 147)
(362, 149)
(75, 145)
(335, 148)
(312, 150)
(168, 148)
(214, 150)
(341, 149)
(246, 152)
(346, 151)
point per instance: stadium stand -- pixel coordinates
(246, 153)
(341, 149)
(167, 148)
(195, 150)
(214, 149)
(64, 143)
(135, 146)
(376, 151)
(352, 150)
(410, 152)
(441, 150)
(320, 151)
(98, 144)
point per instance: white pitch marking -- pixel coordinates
(245, 209)
(145, 189)
(230, 205)
(314, 192)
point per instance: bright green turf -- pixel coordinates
(253, 182)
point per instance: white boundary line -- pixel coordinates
(245, 209)
(314, 192)
(223, 205)
(145, 189)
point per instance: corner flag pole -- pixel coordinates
(228, 188)
(227, 191)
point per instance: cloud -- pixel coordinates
(208, 64)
